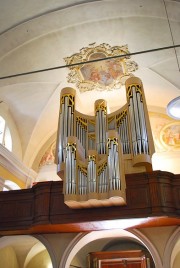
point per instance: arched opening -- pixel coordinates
(23, 251)
(76, 254)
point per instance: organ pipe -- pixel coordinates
(82, 180)
(91, 175)
(101, 125)
(66, 123)
(102, 178)
(141, 135)
(113, 163)
(137, 119)
(70, 164)
(122, 128)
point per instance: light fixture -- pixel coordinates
(173, 108)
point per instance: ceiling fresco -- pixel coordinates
(100, 74)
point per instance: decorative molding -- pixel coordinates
(108, 74)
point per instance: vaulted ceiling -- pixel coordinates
(37, 35)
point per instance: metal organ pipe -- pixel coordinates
(137, 120)
(102, 178)
(128, 150)
(101, 125)
(113, 164)
(145, 146)
(66, 121)
(122, 127)
(91, 174)
(81, 130)
(70, 164)
(82, 179)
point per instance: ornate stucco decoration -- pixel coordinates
(100, 75)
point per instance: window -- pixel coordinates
(7, 185)
(5, 135)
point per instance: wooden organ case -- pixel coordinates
(95, 152)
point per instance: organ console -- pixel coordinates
(95, 152)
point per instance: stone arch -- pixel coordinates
(82, 239)
(170, 251)
(49, 248)
(149, 245)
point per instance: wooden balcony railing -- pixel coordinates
(153, 199)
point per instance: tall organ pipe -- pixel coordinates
(66, 123)
(138, 118)
(101, 125)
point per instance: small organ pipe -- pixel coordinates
(138, 134)
(72, 123)
(134, 140)
(92, 174)
(80, 182)
(143, 122)
(69, 164)
(106, 178)
(127, 135)
(113, 164)
(61, 159)
(123, 135)
(69, 122)
(67, 182)
(65, 117)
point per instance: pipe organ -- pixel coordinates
(95, 152)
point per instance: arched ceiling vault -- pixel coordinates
(37, 35)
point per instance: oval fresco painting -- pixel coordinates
(102, 72)
(170, 136)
